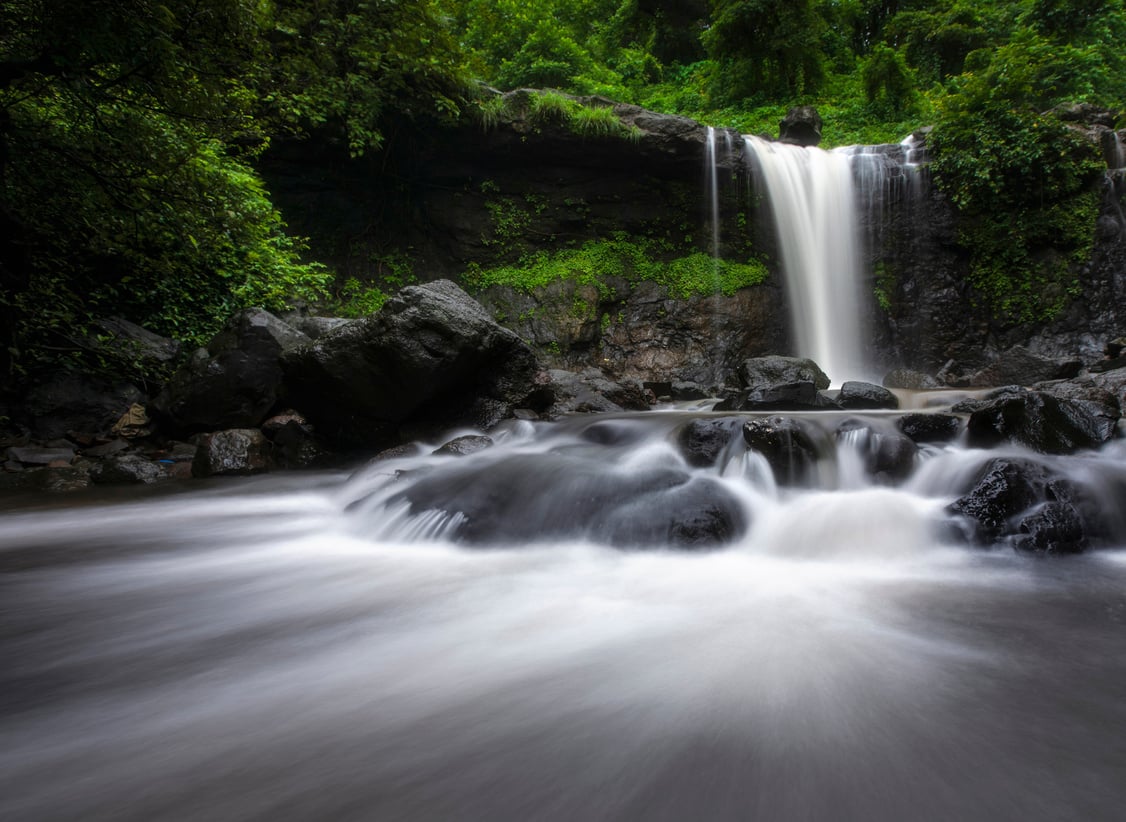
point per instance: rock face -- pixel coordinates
(235, 381)
(432, 355)
(74, 402)
(1019, 366)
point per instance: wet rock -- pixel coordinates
(800, 127)
(865, 395)
(33, 455)
(129, 469)
(703, 441)
(787, 445)
(1030, 504)
(525, 498)
(930, 427)
(314, 327)
(75, 402)
(235, 381)
(237, 451)
(296, 444)
(49, 480)
(888, 457)
(431, 354)
(1019, 366)
(794, 396)
(614, 432)
(687, 390)
(911, 380)
(107, 449)
(580, 393)
(1038, 421)
(759, 372)
(464, 446)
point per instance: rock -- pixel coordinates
(463, 446)
(794, 396)
(787, 446)
(130, 469)
(758, 372)
(687, 390)
(33, 455)
(1029, 504)
(911, 380)
(930, 427)
(49, 480)
(535, 497)
(431, 354)
(314, 327)
(235, 381)
(135, 346)
(1038, 421)
(580, 393)
(888, 457)
(865, 395)
(1019, 366)
(107, 450)
(800, 127)
(75, 402)
(236, 451)
(702, 441)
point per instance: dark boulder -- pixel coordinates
(296, 444)
(911, 380)
(888, 457)
(788, 447)
(129, 469)
(775, 370)
(1019, 366)
(68, 403)
(704, 440)
(1038, 421)
(527, 498)
(800, 127)
(593, 391)
(235, 381)
(793, 396)
(930, 427)
(238, 451)
(1031, 505)
(38, 455)
(133, 345)
(865, 395)
(432, 355)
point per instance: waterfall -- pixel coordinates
(711, 170)
(812, 198)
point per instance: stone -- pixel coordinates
(930, 427)
(910, 380)
(33, 455)
(865, 395)
(1038, 421)
(889, 457)
(235, 381)
(106, 450)
(794, 396)
(131, 344)
(702, 441)
(757, 372)
(432, 355)
(787, 445)
(236, 451)
(74, 402)
(129, 469)
(464, 446)
(800, 127)
(1019, 366)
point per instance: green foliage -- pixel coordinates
(634, 260)
(357, 299)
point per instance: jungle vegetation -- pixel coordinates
(130, 129)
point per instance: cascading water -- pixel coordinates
(812, 199)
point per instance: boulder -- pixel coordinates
(865, 395)
(128, 343)
(702, 441)
(464, 446)
(525, 498)
(787, 445)
(910, 380)
(800, 127)
(793, 396)
(888, 457)
(1019, 366)
(128, 469)
(296, 444)
(592, 391)
(69, 402)
(758, 372)
(36, 455)
(1030, 505)
(930, 427)
(238, 451)
(432, 355)
(235, 381)
(1038, 421)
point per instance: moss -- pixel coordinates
(633, 260)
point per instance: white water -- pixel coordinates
(812, 199)
(285, 649)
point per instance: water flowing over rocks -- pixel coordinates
(432, 355)
(1036, 420)
(788, 446)
(703, 441)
